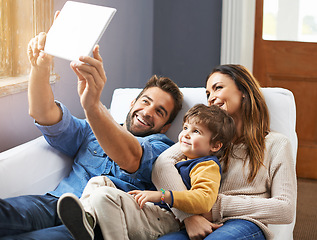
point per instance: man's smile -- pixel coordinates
(142, 120)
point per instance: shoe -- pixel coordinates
(72, 213)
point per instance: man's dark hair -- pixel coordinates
(167, 85)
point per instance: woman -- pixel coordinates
(258, 182)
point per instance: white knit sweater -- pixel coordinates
(269, 199)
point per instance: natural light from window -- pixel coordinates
(20, 20)
(290, 20)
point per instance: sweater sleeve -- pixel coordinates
(165, 175)
(205, 180)
(278, 206)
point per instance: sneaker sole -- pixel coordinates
(71, 212)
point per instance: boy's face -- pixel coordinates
(195, 140)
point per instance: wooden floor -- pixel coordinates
(306, 214)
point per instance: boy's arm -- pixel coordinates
(205, 182)
(116, 141)
(165, 175)
(142, 197)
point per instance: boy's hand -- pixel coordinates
(142, 197)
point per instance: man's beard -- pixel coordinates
(135, 133)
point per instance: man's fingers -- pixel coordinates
(96, 53)
(34, 45)
(92, 62)
(31, 48)
(96, 61)
(91, 74)
(79, 75)
(41, 41)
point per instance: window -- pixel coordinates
(290, 20)
(20, 20)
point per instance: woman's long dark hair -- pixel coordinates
(255, 118)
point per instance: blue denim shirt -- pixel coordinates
(75, 138)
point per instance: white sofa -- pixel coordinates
(35, 167)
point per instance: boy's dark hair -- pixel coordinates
(167, 85)
(218, 121)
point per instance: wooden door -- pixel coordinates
(292, 65)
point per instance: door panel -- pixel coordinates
(292, 65)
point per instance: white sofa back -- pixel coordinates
(282, 109)
(21, 164)
(35, 167)
(280, 102)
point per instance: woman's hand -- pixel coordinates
(91, 79)
(198, 227)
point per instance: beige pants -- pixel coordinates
(120, 217)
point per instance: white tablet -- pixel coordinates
(77, 29)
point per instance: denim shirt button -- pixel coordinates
(95, 152)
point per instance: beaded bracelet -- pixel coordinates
(163, 196)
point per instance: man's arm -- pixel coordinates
(40, 95)
(119, 144)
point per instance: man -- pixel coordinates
(99, 146)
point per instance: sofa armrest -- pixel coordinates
(32, 168)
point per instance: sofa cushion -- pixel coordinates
(282, 109)
(32, 168)
(280, 102)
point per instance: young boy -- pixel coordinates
(207, 133)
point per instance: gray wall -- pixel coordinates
(126, 49)
(144, 37)
(187, 38)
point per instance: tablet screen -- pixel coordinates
(77, 29)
